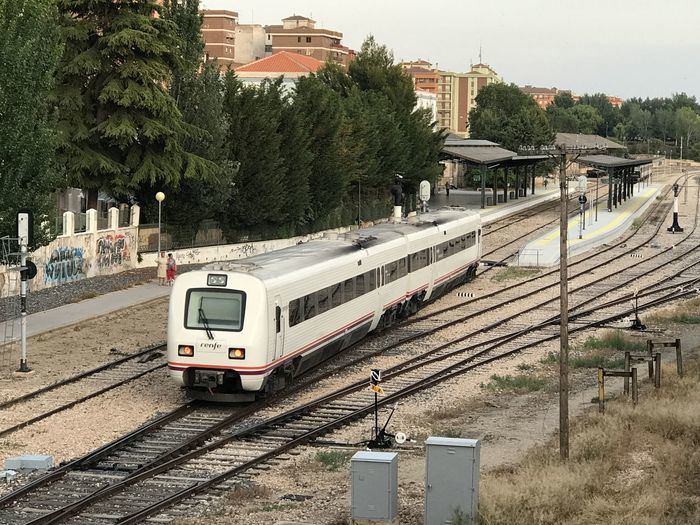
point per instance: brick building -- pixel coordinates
(299, 34)
(456, 96)
(219, 34)
(424, 76)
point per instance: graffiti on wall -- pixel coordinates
(64, 265)
(112, 250)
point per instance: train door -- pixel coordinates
(280, 322)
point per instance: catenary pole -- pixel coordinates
(564, 315)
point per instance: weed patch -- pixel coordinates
(512, 273)
(519, 383)
(332, 459)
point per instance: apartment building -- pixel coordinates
(456, 96)
(545, 96)
(219, 34)
(425, 77)
(299, 34)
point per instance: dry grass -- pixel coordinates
(631, 466)
(512, 273)
(685, 313)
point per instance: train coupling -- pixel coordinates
(208, 378)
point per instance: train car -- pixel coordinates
(240, 328)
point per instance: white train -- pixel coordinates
(251, 325)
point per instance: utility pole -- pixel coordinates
(564, 315)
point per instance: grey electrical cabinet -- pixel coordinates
(451, 480)
(375, 486)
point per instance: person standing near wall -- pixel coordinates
(171, 269)
(162, 263)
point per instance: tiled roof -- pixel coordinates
(283, 62)
(298, 17)
(277, 29)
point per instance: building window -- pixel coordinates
(308, 39)
(298, 39)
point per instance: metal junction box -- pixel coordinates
(375, 486)
(451, 480)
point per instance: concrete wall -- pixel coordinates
(75, 256)
(229, 252)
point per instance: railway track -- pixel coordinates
(175, 483)
(157, 472)
(552, 205)
(40, 404)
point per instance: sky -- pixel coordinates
(626, 48)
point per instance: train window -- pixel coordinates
(465, 243)
(323, 300)
(371, 278)
(349, 290)
(336, 295)
(278, 319)
(309, 306)
(451, 250)
(392, 272)
(360, 285)
(294, 313)
(215, 310)
(403, 267)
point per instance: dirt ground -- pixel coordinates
(314, 486)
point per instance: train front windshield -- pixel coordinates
(208, 309)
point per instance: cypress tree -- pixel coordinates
(323, 109)
(253, 142)
(119, 128)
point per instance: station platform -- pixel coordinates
(492, 213)
(74, 313)
(544, 251)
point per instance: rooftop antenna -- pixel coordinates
(480, 60)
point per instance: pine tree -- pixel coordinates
(29, 52)
(297, 159)
(118, 126)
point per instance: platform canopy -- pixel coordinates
(478, 155)
(581, 141)
(604, 162)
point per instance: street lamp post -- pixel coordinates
(160, 197)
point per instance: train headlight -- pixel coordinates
(236, 353)
(216, 280)
(185, 351)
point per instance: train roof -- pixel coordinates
(353, 245)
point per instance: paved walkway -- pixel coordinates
(544, 251)
(101, 305)
(73, 313)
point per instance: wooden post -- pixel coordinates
(635, 390)
(601, 391)
(657, 370)
(679, 358)
(564, 312)
(650, 349)
(627, 369)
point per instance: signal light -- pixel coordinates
(185, 351)
(236, 353)
(216, 280)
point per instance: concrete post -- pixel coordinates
(91, 221)
(113, 215)
(68, 223)
(135, 215)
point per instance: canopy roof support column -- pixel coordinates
(483, 186)
(495, 185)
(532, 175)
(517, 182)
(610, 173)
(505, 185)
